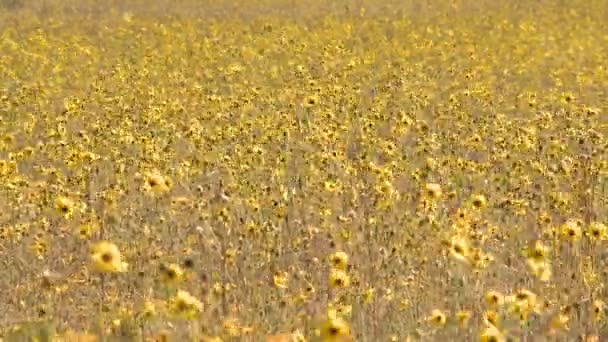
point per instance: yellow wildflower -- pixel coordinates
(107, 259)
(339, 260)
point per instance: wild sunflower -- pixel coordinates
(538, 261)
(334, 330)
(437, 318)
(311, 101)
(339, 260)
(494, 299)
(171, 273)
(570, 231)
(184, 305)
(491, 318)
(491, 334)
(338, 279)
(597, 231)
(106, 258)
(459, 249)
(64, 206)
(156, 183)
(598, 310)
(463, 317)
(432, 191)
(280, 279)
(478, 201)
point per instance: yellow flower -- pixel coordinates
(538, 262)
(459, 250)
(368, 295)
(86, 229)
(306, 293)
(297, 336)
(171, 274)
(598, 310)
(432, 190)
(280, 279)
(494, 299)
(339, 260)
(338, 279)
(230, 255)
(567, 97)
(559, 322)
(570, 231)
(107, 259)
(597, 231)
(491, 318)
(331, 186)
(148, 311)
(334, 329)
(156, 183)
(463, 317)
(311, 101)
(462, 216)
(523, 303)
(478, 201)
(64, 206)
(491, 334)
(526, 296)
(540, 268)
(437, 318)
(538, 252)
(185, 305)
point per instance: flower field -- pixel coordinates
(320, 170)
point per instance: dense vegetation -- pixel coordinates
(324, 170)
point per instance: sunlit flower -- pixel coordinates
(171, 273)
(523, 303)
(156, 183)
(148, 311)
(459, 250)
(598, 310)
(311, 101)
(597, 231)
(491, 318)
(494, 299)
(185, 305)
(334, 329)
(478, 201)
(368, 295)
(540, 269)
(491, 334)
(559, 322)
(567, 97)
(538, 261)
(338, 279)
(432, 190)
(106, 258)
(280, 280)
(64, 206)
(570, 231)
(463, 317)
(339, 260)
(437, 317)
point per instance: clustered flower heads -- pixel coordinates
(374, 171)
(335, 327)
